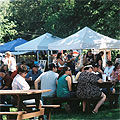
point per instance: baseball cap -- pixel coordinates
(35, 65)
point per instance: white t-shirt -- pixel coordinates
(19, 83)
(12, 65)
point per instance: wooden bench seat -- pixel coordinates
(23, 114)
(48, 109)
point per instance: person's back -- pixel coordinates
(62, 87)
(87, 85)
(48, 81)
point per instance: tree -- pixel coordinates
(7, 27)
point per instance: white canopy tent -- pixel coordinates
(39, 43)
(86, 38)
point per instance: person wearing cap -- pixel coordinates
(10, 61)
(88, 88)
(48, 80)
(33, 74)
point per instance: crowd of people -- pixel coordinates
(59, 78)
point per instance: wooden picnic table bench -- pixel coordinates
(20, 96)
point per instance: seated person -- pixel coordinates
(6, 84)
(78, 74)
(116, 73)
(87, 88)
(33, 75)
(64, 84)
(48, 80)
(64, 88)
(19, 82)
(97, 70)
(108, 69)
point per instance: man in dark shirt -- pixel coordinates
(88, 58)
(71, 61)
(33, 75)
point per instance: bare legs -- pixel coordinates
(100, 102)
(84, 106)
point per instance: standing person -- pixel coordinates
(88, 88)
(48, 80)
(19, 82)
(60, 62)
(88, 58)
(10, 61)
(99, 59)
(71, 61)
(33, 74)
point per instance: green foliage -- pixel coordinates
(31, 18)
(114, 54)
(7, 27)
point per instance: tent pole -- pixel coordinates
(37, 55)
(104, 60)
(48, 58)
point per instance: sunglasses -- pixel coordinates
(69, 70)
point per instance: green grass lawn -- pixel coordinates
(105, 113)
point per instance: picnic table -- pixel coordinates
(21, 95)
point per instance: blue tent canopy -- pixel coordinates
(10, 46)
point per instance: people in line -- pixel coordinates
(87, 88)
(32, 75)
(48, 80)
